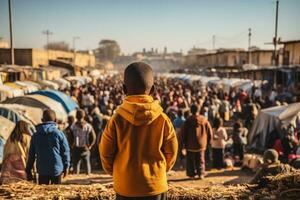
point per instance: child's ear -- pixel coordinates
(152, 90)
(124, 89)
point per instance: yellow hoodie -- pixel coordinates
(138, 147)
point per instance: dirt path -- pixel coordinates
(224, 177)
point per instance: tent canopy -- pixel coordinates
(6, 127)
(270, 119)
(14, 116)
(9, 92)
(41, 102)
(33, 114)
(63, 83)
(68, 104)
(48, 84)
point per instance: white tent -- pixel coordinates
(270, 119)
(28, 87)
(63, 83)
(9, 92)
(46, 84)
(6, 127)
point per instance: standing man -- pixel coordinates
(84, 139)
(49, 147)
(195, 135)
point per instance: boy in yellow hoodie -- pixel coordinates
(139, 144)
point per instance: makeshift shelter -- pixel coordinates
(6, 127)
(28, 87)
(66, 101)
(15, 116)
(45, 84)
(41, 102)
(270, 119)
(63, 83)
(81, 80)
(34, 84)
(33, 114)
(9, 92)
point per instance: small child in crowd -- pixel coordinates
(271, 167)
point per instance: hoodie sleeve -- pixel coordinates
(108, 147)
(170, 144)
(65, 151)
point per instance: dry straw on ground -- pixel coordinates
(283, 186)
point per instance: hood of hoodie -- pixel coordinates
(140, 109)
(47, 127)
(198, 120)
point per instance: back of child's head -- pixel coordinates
(218, 122)
(138, 79)
(194, 109)
(49, 116)
(180, 113)
(237, 125)
(80, 114)
(270, 156)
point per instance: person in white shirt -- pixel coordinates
(218, 143)
(84, 138)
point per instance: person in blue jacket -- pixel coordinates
(49, 148)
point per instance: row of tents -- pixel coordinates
(26, 99)
(267, 121)
(20, 88)
(30, 109)
(225, 83)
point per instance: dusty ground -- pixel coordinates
(224, 177)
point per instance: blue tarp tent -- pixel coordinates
(66, 101)
(10, 114)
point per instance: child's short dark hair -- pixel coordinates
(237, 125)
(49, 115)
(218, 122)
(138, 78)
(194, 109)
(80, 114)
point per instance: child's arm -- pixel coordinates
(108, 147)
(170, 144)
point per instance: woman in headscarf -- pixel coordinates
(16, 153)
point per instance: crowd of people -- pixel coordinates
(211, 127)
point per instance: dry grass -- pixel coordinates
(283, 186)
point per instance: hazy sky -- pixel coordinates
(137, 24)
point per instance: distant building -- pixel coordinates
(261, 57)
(39, 57)
(291, 52)
(229, 58)
(195, 50)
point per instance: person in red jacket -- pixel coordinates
(195, 135)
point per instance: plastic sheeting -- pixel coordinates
(41, 102)
(81, 80)
(270, 119)
(28, 87)
(14, 116)
(6, 127)
(63, 83)
(33, 114)
(66, 101)
(49, 85)
(9, 92)
(61, 114)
